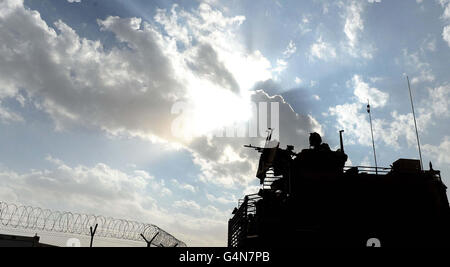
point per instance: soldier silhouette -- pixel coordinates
(315, 141)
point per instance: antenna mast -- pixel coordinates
(415, 123)
(373, 142)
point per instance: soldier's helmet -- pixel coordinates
(315, 140)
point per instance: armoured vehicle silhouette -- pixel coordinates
(310, 199)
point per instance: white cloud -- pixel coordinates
(238, 165)
(187, 204)
(420, 71)
(325, 7)
(353, 118)
(223, 200)
(435, 106)
(304, 25)
(354, 121)
(74, 1)
(375, 1)
(130, 91)
(354, 29)
(322, 50)
(8, 116)
(446, 5)
(354, 24)
(364, 92)
(440, 152)
(282, 63)
(438, 101)
(424, 76)
(89, 86)
(401, 125)
(103, 190)
(184, 186)
(375, 79)
(281, 66)
(446, 34)
(297, 80)
(446, 17)
(429, 44)
(290, 50)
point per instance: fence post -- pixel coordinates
(92, 234)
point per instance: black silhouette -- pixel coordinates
(92, 234)
(309, 199)
(151, 240)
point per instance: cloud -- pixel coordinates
(429, 44)
(322, 50)
(351, 118)
(281, 66)
(79, 83)
(206, 65)
(103, 190)
(304, 25)
(282, 63)
(224, 161)
(74, 1)
(364, 92)
(290, 49)
(446, 17)
(428, 111)
(419, 70)
(438, 101)
(7, 115)
(184, 186)
(354, 24)
(440, 152)
(130, 89)
(187, 204)
(354, 119)
(446, 5)
(222, 200)
(446, 34)
(354, 29)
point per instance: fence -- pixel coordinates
(37, 219)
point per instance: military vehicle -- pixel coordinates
(311, 199)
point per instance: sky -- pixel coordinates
(113, 107)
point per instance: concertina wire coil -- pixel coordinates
(34, 218)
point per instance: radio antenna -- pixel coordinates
(373, 142)
(415, 123)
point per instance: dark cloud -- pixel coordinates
(206, 64)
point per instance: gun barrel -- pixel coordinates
(259, 149)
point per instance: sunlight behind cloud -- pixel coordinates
(212, 108)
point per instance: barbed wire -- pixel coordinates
(34, 218)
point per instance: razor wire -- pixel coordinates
(35, 218)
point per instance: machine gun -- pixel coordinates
(269, 143)
(272, 157)
(257, 148)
